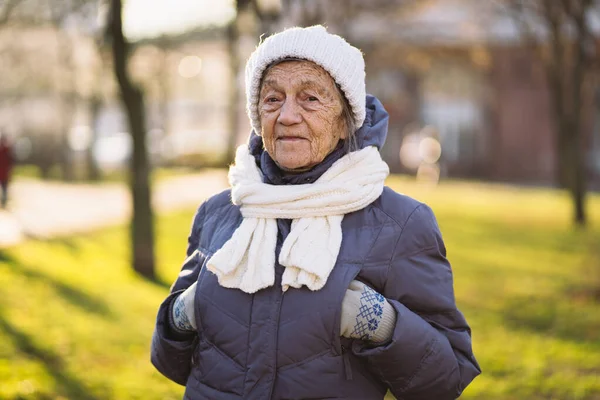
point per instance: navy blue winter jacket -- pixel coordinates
(275, 345)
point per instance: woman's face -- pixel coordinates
(300, 114)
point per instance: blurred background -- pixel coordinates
(118, 118)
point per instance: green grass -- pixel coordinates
(113, 176)
(75, 322)
(526, 280)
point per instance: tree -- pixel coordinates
(264, 14)
(142, 223)
(39, 13)
(94, 104)
(233, 37)
(569, 57)
(6, 10)
(66, 19)
(66, 85)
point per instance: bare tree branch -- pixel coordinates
(7, 10)
(569, 41)
(521, 14)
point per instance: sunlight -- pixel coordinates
(148, 18)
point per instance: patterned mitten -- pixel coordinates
(366, 314)
(183, 316)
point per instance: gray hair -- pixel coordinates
(350, 144)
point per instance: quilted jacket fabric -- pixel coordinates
(275, 345)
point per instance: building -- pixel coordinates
(461, 68)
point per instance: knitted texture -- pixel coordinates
(366, 314)
(342, 61)
(182, 313)
(247, 260)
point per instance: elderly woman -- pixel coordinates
(309, 279)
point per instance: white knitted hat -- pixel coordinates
(344, 63)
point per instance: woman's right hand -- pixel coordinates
(366, 314)
(183, 314)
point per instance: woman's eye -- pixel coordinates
(312, 98)
(272, 99)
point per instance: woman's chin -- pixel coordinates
(292, 159)
(292, 162)
(294, 167)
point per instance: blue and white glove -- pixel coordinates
(366, 314)
(182, 312)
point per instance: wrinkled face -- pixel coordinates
(300, 112)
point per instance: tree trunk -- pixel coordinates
(142, 224)
(234, 91)
(559, 117)
(578, 73)
(565, 79)
(66, 102)
(164, 89)
(575, 171)
(572, 167)
(578, 190)
(93, 172)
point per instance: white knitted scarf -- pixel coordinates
(247, 260)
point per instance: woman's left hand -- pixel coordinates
(366, 314)
(183, 316)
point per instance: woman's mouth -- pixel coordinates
(291, 138)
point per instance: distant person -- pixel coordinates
(309, 279)
(6, 164)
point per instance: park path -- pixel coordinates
(42, 209)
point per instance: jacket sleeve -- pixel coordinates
(171, 353)
(430, 354)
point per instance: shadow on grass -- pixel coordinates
(552, 317)
(6, 257)
(75, 296)
(156, 281)
(510, 251)
(67, 241)
(69, 385)
(511, 234)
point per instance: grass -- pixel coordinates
(527, 282)
(112, 176)
(75, 322)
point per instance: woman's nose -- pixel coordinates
(289, 113)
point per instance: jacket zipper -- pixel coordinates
(280, 240)
(274, 378)
(347, 366)
(195, 344)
